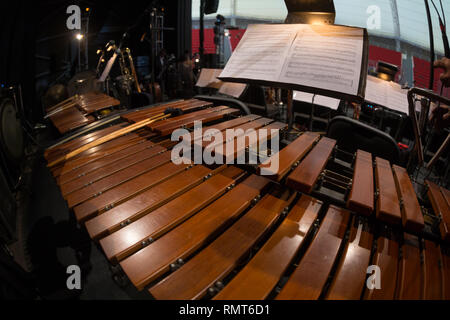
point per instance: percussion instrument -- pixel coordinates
(312, 227)
(78, 111)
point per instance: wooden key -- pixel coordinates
(305, 176)
(99, 152)
(216, 261)
(146, 202)
(264, 271)
(350, 278)
(445, 254)
(251, 142)
(388, 204)
(85, 169)
(125, 191)
(410, 272)
(361, 199)
(433, 280)
(309, 278)
(441, 208)
(58, 150)
(287, 157)
(158, 222)
(198, 135)
(105, 184)
(412, 217)
(110, 169)
(239, 131)
(155, 259)
(386, 258)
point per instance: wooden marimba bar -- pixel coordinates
(307, 230)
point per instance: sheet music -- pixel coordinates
(318, 100)
(261, 52)
(232, 89)
(208, 78)
(317, 56)
(327, 57)
(387, 94)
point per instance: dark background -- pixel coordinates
(36, 47)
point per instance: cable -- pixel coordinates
(443, 13)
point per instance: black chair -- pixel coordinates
(352, 135)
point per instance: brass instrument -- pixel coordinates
(133, 70)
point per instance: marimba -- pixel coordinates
(311, 228)
(78, 111)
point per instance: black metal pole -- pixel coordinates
(430, 30)
(202, 31)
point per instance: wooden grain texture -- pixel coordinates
(440, 200)
(110, 169)
(128, 240)
(185, 106)
(104, 161)
(66, 147)
(153, 261)
(145, 202)
(258, 278)
(99, 152)
(433, 286)
(445, 254)
(410, 271)
(251, 143)
(388, 203)
(109, 182)
(217, 260)
(386, 258)
(126, 191)
(350, 278)
(240, 130)
(213, 115)
(222, 126)
(305, 176)
(412, 217)
(309, 278)
(361, 198)
(288, 156)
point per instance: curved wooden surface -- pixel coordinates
(412, 217)
(386, 258)
(217, 260)
(153, 261)
(129, 239)
(410, 271)
(350, 278)
(310, 277)
(145, 202)
(441, 208)
(433, 286)
(125, 191)
(288, 156)
(388, 204)
(305, 176)
(110, 169)
(97, 164)
(109, 182)
(264, 271)
(361, 199)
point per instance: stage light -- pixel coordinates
(310, 11)
(88, 9)
(226, 33)
(197, 60)
(386, 71)
(79, 36)
(99, 51)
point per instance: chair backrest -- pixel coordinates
(352, 135)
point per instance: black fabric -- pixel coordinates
(352, 135)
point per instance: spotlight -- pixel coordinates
(79, 36)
